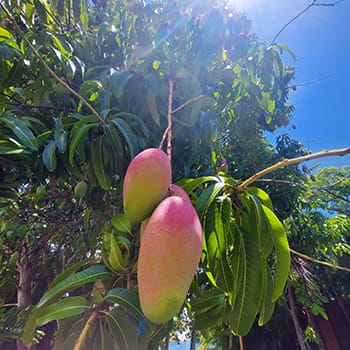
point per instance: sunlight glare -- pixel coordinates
(245, 5)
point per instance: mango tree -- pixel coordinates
(85, 87)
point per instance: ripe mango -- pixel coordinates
(146, 183)
(170, 250)
(178, 191)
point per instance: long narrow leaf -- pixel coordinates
(248, 278)
(49, 156)
(190, 184)
(129, 301)
(207, 197)
(280, 242)
(24, 134)
(77, 138)
(97, 157)
(91, 274)
(128, 135)
(66, 307)
(67, 272)
(267, 305)
(123, 330)
(207, 300)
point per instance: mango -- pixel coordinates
(170, 250)
(143, 227)
(146, 183)
(178, 191)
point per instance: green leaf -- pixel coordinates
(61, 140)
(210, 318)
(128, 135)
(218, 242)
(24, 134)
(68, 332)
(78, 137)
(130, 302)
(207, 300)
(152, 106)
(68, 272)
(280, 242)
(261, 195)
(207, 197)
(29, 329)
(49, 156)
(190, 184)
(247, 273)
(124, 331)
(98, 154)
(267, 306)
(40, 8)
(66, 307)
(113, 139)
(122, 223)
(84, 15)
(5, 34)
(284, 47)
(91, 274)
(8, 147)
(111, 253)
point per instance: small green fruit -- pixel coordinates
(80, 189)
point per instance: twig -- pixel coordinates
(83, 333)
(309, 82)
(170, 114)
(163, 138)
(306, 257)
(297, 160)
(241, 347)
(332, 4)
(187, 103)
(336, 196)
(313, 3)
(167, 132)
(297, 184)
(47, 68)
(24, 106)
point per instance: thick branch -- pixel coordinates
(287, 162)
(46, 67)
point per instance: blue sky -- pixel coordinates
(320, 40)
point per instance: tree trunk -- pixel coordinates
(193, 339)
(24, 291)
(167, 342)
(298, 330)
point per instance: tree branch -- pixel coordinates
(287, 162)
(309, 258)
(167, 133)
(81, 339)
(297, 184)
(313, 3)
(187, 103)
(47, 68)
(170, 115)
